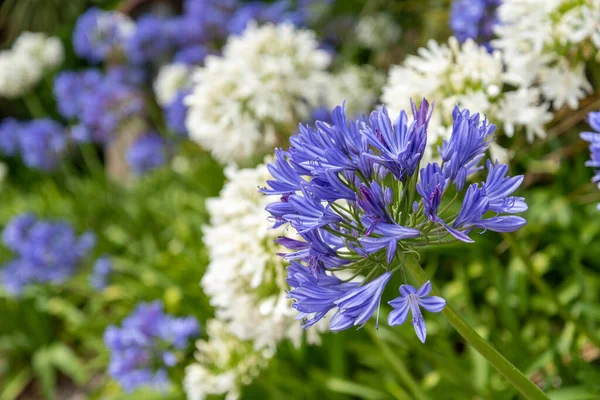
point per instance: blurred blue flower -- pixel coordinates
(412, 299)
(351, 188)
(594, 140)
(101, 272)
(152, 41)
(99, 35)
(45, 251)
(148, 152)
(191, 55)
(42, 143)
(474, 19)
(175, 113)
(144, 346)
(101, 102)
(9, 136)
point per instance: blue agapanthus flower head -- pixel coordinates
(45, 251)
(146, 345)
(100, 35)
(593, 138)
(148, 152)
(153, 40)
(358, 194)
(474, 19)
(42, 143)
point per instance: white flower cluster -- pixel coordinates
(547, 43)
(359, 86)
(245, 282)
(22, 66)
(171, 79)
(267, 80)
(224, 364)
(377, 31)
(465, 75)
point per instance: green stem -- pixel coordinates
(398, 366)
(543, 288)
(34, 105)
(515, 377)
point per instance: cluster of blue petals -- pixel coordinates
(46, 251)
(146, 345)
(148, 152)
(99, 103)
(474, 19)
(40, 142)
(357, 195)
(101, 36)
(594, 140)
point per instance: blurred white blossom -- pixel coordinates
(465, 75)
(377, 31)
(170, 80)
(22, 66)
(245, 279)
(267, 80)
(360, 86)
(547, 43)
(224, 364)
(47, 50)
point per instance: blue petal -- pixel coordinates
(398, 316)
(432, 303)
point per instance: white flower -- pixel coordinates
(267, 80)
(468, 76)
(19, 73)
(22, 66)
(377, 31)
(224, 364)
(171, 79)
(245, 279)
(359, 86)
(48, 51)
(546, 42)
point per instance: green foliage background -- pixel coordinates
(534, 295)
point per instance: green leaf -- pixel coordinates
(573, 393)
(63, 358)
(354, 389)
(44, 372)
(15, 384)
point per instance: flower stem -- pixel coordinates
(34, 105)
(543, 288)
(515, 377)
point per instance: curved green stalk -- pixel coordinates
(515, 377)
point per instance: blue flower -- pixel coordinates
(412, 299)
(9, 136)
(357, 305)
(101, 272)
(146, 345)
(151, 41)
(474, 19)
(594, 140)
(99, 35)
(350, 190)
(467, 145)
(42, 143)
(148, 152)
(175, 113)
(45, 251)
